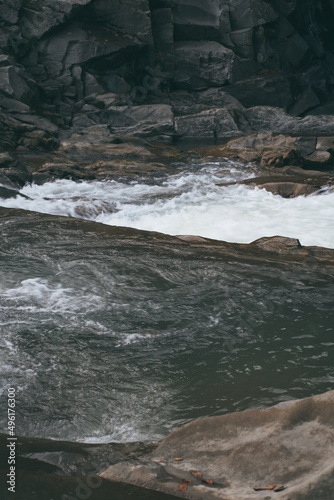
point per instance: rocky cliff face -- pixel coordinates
(68, 65)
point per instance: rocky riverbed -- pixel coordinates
(94, 91)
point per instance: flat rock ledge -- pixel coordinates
(290, 445)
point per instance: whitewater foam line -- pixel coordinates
(189, 203)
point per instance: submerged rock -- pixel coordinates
(291, 185)
(280, 150)
(226, 457)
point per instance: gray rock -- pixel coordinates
(269, 90)
(13, 174)
(307, 101)
(250, 13)
(91, 85)
(267, 118)
(9, 11)
(319, 159)
(285, 7)
(290, 444)
(128, 17)
(140, 121)
(13, 84)
(39, 17)
(275, 150)
(200, 65)
(325, 143)
(184, 102)
(212, 124)
(6, 193)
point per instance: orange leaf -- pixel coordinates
(271, 487)
(280, 488)
(183, 487)
(178, 459)
(196, 473)
(207, 481)
(186, 480)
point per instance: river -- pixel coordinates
(109, 341)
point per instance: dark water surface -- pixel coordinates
(107, 341)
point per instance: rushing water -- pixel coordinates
(190, 202)
(110, 341)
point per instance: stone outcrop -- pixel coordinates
(277, 150)
(226, 457)
(290, 186)
(225, 68)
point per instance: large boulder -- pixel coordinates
(211, 124)
(126, 17)
(267, 118)
(289, 446)
(39, 17)
(202, 64)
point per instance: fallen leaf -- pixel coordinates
(207, 481)
(279, 488)
(196, 473)
(186, 480)
(178, 459)
(271, 487)
(183, 487)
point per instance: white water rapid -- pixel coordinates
(189, 203)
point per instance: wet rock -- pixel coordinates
(263, 91)
(266, 118)
(325, 144)
(199, 65)
(308, 101)
(128, 17)
(275, 151)
(49, 172)
(256, 146)
(184, 102)
(141, 121)
(319, 159)
(39, 17)
(96, 143)
(12, 172)
(294, 182)
(6, 193)
(289, 189)
(289, 444)
(124, 168)
(211, 124)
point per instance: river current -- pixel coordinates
(118, 343)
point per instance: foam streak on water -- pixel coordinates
(190, 203)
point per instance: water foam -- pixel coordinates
(190, 203)
(36, 294)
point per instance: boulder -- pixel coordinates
(212, 124)
(250, 13)
(319, 159)
(153, 120)
(12, 174)
(254, 147)
(290, 182)
(184, 102)
(126, 17)
(96, 143)
(271, 90)
(199, 65)
(38, 17)
(289, 189)
(290, 445)
(267, 118)
(6, 193)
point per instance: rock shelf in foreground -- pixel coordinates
(291, 444)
